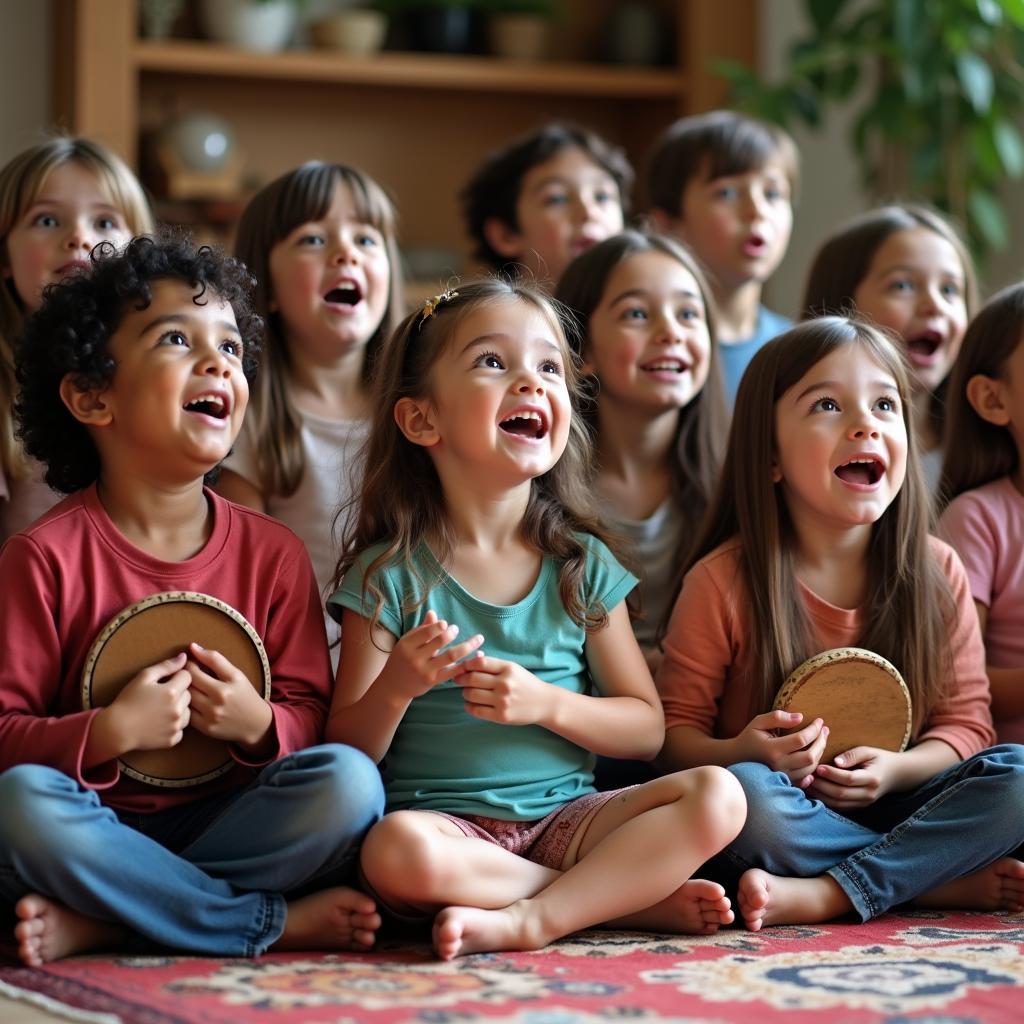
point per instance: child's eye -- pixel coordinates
(688, 313)
(772, 193)
(311, 239)
(555, 199)
(634, 313)
(45, 220)
(490, 360)
(106, 224)
(233, 347)
(726, 192)
(951, 290)
(901, 284)
(551, 366)
(887, 404)
(825, 404)
(368, 239)
(173, 338)
(606, 195)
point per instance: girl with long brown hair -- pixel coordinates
(475, 530)
(818, 539)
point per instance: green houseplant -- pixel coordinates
(938, 112)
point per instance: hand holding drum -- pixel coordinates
(153, 630)
(859, 695)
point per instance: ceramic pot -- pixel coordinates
(247, 24)
(519, 36)
(355, 31)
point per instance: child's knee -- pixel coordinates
(401, 857)
(720, 803)
(28, 824)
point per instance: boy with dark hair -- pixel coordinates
(134, 378)
(724, 184)
(542, 200)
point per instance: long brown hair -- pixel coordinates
(844, 258)
(909, 607)
(302, 195)
(21, 181)
(977, 451)
(702, 424)
(402, 504)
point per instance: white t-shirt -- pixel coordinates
(332, 475)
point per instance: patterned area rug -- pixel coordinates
(920, 968)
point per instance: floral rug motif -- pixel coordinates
(915, 968)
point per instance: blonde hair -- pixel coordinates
(21, 181)
(909, 607)
(298, 197)
(402, 504)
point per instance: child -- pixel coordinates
(658, 413)
(818, 539)
(475, 516)
(539, 202)
(904, 268)
(724, 183)
(982, 476)
(321, 242)
(58, 201)
(134, 382)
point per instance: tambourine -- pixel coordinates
(859, 695)
(152, 630)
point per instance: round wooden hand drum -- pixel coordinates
(859, 695)
(152, 630)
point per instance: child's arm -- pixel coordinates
(1007, 684)
(239, 490)
(626, 721)
(379, 676)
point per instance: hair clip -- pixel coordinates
(430, 306)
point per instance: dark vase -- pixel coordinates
(441, 29)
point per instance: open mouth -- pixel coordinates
(923, 347)
(215, 406)
(529, 424)
(346, 294)
(665, 366)
(73, 267)
(863, 471)
(754, 244)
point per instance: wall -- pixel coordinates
(24, 74)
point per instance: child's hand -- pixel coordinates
(858, 778)
(797, 754)
(152, 711)
(418, 662)
(225, 705)
(502, 691)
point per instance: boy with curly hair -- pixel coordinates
(134, 378)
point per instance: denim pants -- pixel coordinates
(207, 877)
(899, 847)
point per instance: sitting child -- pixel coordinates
(134, 380)
(542, 200)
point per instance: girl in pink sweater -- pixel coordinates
(818, 538)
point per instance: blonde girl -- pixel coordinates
(657, 407)
(983, 482)
(817, 539)
(475, 534)
(904, 268)
(58, 201)
(321, 242)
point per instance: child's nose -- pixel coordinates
(531, 383)
(80, 236)
(862, 428)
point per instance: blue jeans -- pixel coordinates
(899, 847)
(207, 877)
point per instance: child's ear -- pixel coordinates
(987, 398)
(88, 407)
(415, 420)
(776, 471)
(504, 240)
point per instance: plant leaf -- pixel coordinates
(987, 217)
(976, 80)
(1010, 147)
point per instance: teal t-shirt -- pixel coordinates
(442, 758)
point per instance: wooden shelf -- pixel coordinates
(411, 70)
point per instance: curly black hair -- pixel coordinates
(70, 332)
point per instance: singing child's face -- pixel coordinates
(54, 236)
(178, 393)
(915, 286)
(499, 399)
(330, 281)
(647, 340)
(841, 443)
(738, 225)
(566, 205)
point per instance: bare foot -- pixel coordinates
(1000, 886)
(338, 918)
(49, 931)
(697, 907)
(462, 930)
(766, 899)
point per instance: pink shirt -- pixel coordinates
(70, 573)
(705, 681)
(986, 526)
